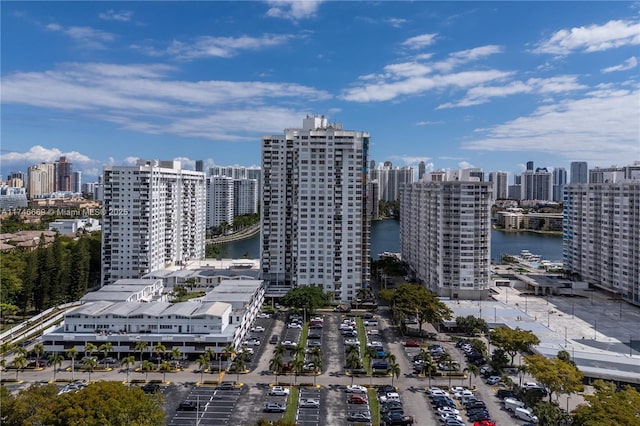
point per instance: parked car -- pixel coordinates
(314, 336)
(309, 403)
(390, 396)
(294, 325)
(371, 323)
(359, 416)
(315, 326)
(274, 339)
(275, 407)
(510, 404)
(493, 380)
(288, 344)
(252, 342)
(312, 344)
(226, 386)
(358, 399)
(279, 391)
(505, 393)
(263, 315)
(188, 406)
(395, 418)
(356, 389)
(525, 414)
(151, 388)
(412, 344)
(257, 329)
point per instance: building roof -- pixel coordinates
(216, 309)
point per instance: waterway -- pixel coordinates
(385, 236)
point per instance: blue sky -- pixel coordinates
(454, 84)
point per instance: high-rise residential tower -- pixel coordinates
(315, 229)
(64, 175)
(601, 242)
(219, 200)
(154, 216)
(500, 185)
(41, 180)
(445, 235)
(559, 181)
(579, 172)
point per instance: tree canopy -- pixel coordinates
(416, 301)
(305, 297)
(513, 341)
(609, 407)
(472, 325)
(556, 375)
(101, 403)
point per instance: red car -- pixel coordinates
(412, 344)
(485, 423)
(358, 399)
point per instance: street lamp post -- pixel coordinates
(568, 397)
(565, 336)
(525, 304)
(595, 329)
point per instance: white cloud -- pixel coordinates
(419, 41)
(593, 38)
(86, 37)
(466, 165)
(395, 22)
(113, 15)
(629, 64)
(143, 98)
(39, 154)
(602, 127)
(483, 94)
(465, 56)
(293, 10)
(428, 123)
(208, 47)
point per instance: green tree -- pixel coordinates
(499, 359)
(472, 369)
(353, 362)
(19, 362)
(238, 365)
(276, 364)
(89, 364)
(127, 362)
(72, 353)
(79, 270)
(550, 414)
(146, 367)
(141, 346)
(203, 362)
(414, 300)
(608, 406)
(175, 353)
(307, 298)
(296, 366)
(164, 367)
(55, 360)
(471, 325)
(31, 406)
(394, 369)
(89, 349)
(108, 403)
(105, 348)
(159, 349)
(513, 341)
(229, 352)
(555, 374)
(38, 350)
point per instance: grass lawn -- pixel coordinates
(292, 406)
(362, 337)
(303, 338)
(374, 406)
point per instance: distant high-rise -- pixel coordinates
(601, 243)
(64, 175)
(579, 172)
(559, 181)
(245, 196)
(390, 179)
(422, 169)
(445, 233)
(500, 185)
(529, 165)
(315, 229)
(537, 185)
(77, 182)
(219, 200)
(199, 166)
(156, 218)
(42, 180)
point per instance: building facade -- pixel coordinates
(64, 175)
(445, 236)
(41, 180)
(219, 200)
(559, 181)
(315, 227)
(601, 235)
(154, 217)
(245, 196)
(500, 185)
(579, 172)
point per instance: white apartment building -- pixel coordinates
(601, 237)
(154, 217)
(537, 185)
(445, 236)
(219, 200)
(390, 179)
(41, 180)
(315, 228)
(245, 196)
(500, 185)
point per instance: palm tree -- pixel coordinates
(275, 365)
(428, 364)
(238, 364)
(72, 353)
(296, 366)
(370, 354)
(472, 369)
(105, 348)
(146, 367)
(89, 365)
(297, 352)
(394, 369)
(164, 367)
(390, 358)
(159, 350)
(141, 346)
(55, 359)
(279, 350)
(38, 349)
(202, 361)
(19, 362)
(317, 367)
(229, 352)
(353, 362)
(128, 361)
(89, 349)
(175, 353)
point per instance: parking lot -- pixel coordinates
(209, 406)
(309, 415)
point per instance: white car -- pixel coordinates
(462, 394)
(257, 329)
(263, 315)
(493, 380)
(294, 325)
(352, 342)
(443, 410)
(529, 385)
(356, 389)
(438, 392)
(279, 391)
(444, 417)
(309, 403)
(371, 323)
(252, 342)
(289, 344)
(390, 396)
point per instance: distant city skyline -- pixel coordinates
(453, 84)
